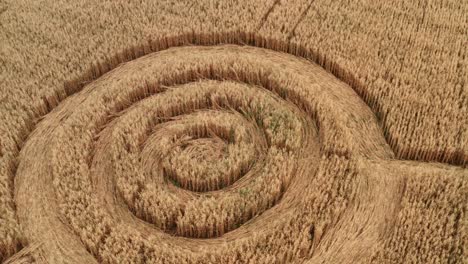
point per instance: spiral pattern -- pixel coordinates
(170, 178)
(191, 153)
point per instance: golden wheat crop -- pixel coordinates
(229, 146)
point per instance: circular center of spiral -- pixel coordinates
(209, 150)
(199, 153)
(202, 164)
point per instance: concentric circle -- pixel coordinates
(257, 137)
(191, 153)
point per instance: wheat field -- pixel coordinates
(233, 131)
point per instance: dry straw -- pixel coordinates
(227, 153)
(214, 153)
(148, 131)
